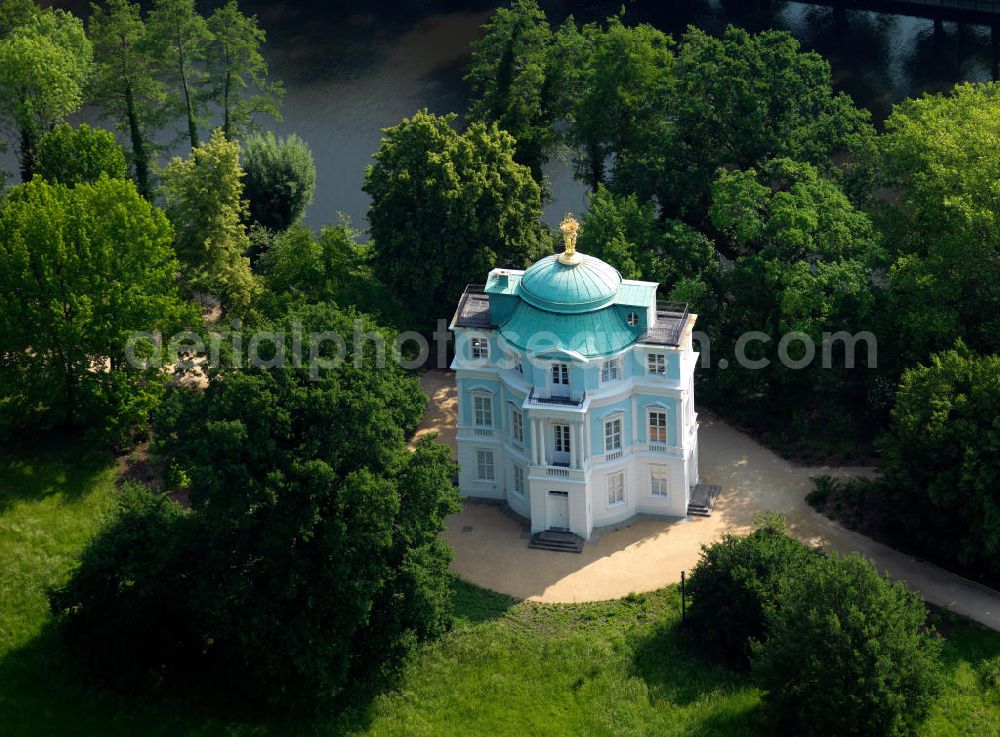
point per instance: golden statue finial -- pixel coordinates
(569, 227)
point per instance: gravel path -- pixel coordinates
(491, 548)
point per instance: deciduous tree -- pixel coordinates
(82, 267)
(76, 155)
(44, 66)
(125, 83)
(280, 179)
(446, 208)
(204, 196)
(238, 80)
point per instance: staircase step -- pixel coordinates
(557, 540)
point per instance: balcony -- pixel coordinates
(473, 309)
(556, 401)
(671, 317)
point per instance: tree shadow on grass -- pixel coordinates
(34, 468)
(668, 661)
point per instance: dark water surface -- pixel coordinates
(353, 68)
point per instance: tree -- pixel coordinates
(508, 75)
(44, 66)
(280, 179)
(178, 39)
(627, 83)
(83, 268)
(238, 80)
(446, 208)
(940, 461)
(14, 13)
(848, 654)
(305, 485)
(944, 226)
(204, 202)
(736, 101)
(803, 260)
(125, 83)
(77, 155)
(736, 583)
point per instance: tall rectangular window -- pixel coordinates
(616, 489)
(656, 364)
(518, 480)
(516, 426)
(483, 407)
(613, 435)
(484, 465)
(561, 438)
(658, 480)
(611, 370)
(658, 427)
(560, 374)
(480, 348)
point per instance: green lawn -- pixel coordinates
(617, 668)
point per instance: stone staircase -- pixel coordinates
(702, 500)
(564, 542)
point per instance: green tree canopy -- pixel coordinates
(280, 179)
(446, 208)
(44, 67)
(940, 458)
(82, 267)
(125, 83)
(178, 39)
(238, 79)
(204, 202)
(848, 654)
(940, 155)
(316, 562)
(76, 155)
(736, 101)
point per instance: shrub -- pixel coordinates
(847, 653)
(734, 585)
(280, 179)
(73, 156)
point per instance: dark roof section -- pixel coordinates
(671, 317)
(473, 309)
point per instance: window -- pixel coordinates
(516, 426)
(632, 319)
(480, 348)
(484, 465)
(656, 364)
(611, 370)
(518, 480)
(560, 374)
(658, 427)
(483, 410)
(562, 438)
(616, 489)
(613, 434)
(658, 480)
(520, 366)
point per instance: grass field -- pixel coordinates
(614, 668)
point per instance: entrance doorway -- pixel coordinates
(558, 510)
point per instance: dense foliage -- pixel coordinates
(940, 458)
(848, 654)
(81, 268)
(311, 553)
(446, 208)
(45, 62)
(735, 585)
(838, 649)
(77, 155)
(204, 196)
(280, 179)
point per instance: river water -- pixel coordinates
(353, 68)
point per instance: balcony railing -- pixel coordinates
(557, 401)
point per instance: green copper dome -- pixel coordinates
(585, 286)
